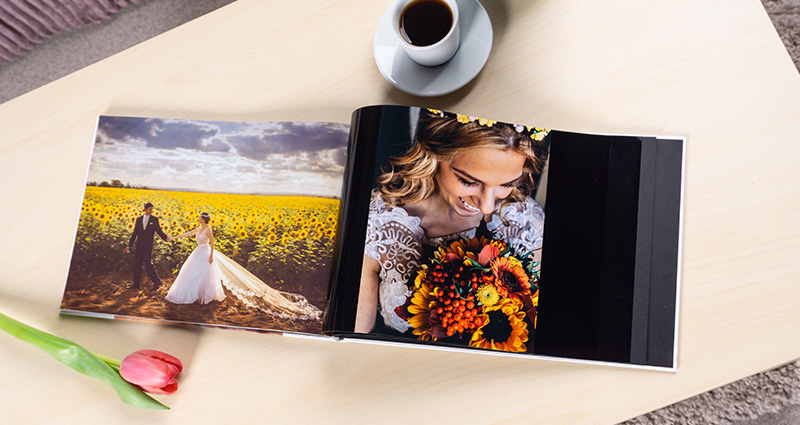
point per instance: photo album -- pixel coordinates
(408, 226)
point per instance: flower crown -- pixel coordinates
(535, 133)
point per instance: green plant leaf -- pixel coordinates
(80, 359)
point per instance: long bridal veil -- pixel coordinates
(256, 294)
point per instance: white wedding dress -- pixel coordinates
(395, 239)
(200, 281)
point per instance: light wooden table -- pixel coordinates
(714, 71)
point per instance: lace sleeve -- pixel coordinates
(393, 240)
(525, 224)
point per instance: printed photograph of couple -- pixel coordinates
(220, 223)
(453, 241)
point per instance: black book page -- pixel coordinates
(610, 252)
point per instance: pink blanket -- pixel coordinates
(24, 23)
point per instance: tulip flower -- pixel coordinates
(152, 371)
(84, 361)
(487, 254)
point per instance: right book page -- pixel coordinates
(467, 233)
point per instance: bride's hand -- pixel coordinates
(210, 259)
(170, 238)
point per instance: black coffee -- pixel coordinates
(425, 22)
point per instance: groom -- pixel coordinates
(143, 230)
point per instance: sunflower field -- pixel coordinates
(287, 241)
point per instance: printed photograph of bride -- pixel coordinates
(219, 223)
(454, 234)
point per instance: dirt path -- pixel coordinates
(109, 294)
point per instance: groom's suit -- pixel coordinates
(142, 239)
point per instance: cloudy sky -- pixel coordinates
(221, 157)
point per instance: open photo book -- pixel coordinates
(408, 226)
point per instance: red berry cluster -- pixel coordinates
(454, 287)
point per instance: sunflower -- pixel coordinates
(462, 248)
(422, 274)
(423, 301)
(487, 295)
(503, 328)
(535, 301)
(510, 277)
(242, 234)
(271, 238)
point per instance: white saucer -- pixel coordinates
(413, 78)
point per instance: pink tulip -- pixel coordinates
(152, 371)
(487, 254)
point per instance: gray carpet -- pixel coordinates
(769, 398)
(66, 52)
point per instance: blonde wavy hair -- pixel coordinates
(441, 136)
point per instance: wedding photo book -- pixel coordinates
(408, 226)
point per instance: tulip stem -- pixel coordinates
(81, 360)
(111, 362)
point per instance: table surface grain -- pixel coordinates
(712, 71)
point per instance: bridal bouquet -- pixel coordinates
(477, 291)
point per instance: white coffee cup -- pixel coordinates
(433, 54)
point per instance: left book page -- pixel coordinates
(227, 224)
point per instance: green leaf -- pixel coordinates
(80, 359)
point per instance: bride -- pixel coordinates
(206, 271)
(199, 278)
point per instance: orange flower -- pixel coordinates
(510, 277)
